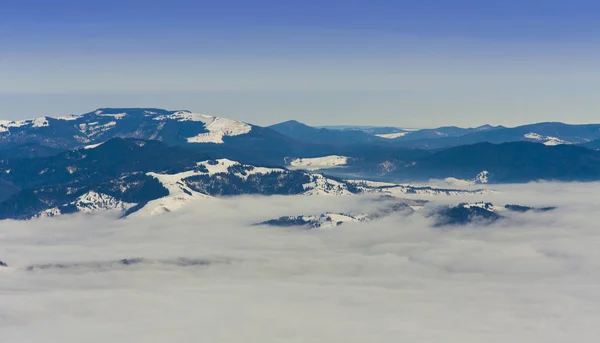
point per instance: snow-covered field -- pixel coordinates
(317, 163)
(205, 274)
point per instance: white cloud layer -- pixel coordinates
(531, 279)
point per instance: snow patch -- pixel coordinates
(4, 125)
(219, 128)
(68, 118)
(179, 194)
(93, 146)
(317, 163)
(94, 202)
(184, 116)
(546, 140)
(392, 135)
(40, 122)
(95, 128)
(36, 123)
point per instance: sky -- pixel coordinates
(531, 278)
(400, 63)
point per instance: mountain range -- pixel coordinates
(136, 160)
(128, 175)
(464, 213)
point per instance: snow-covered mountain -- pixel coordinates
(479, 212)
(127, 176)
(325, 220)
(103, 124)
(549, 133)
(331, 219)
(89, 202)
(226, 178)
(152, 161)
(461, 214)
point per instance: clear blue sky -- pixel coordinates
(405, 63)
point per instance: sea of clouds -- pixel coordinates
(206, 274)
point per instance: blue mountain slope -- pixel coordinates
(546, 133)
(550, 133)
(594, 145)
(309, 134)
(509, 162)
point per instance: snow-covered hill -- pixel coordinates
(462, 214)
(371, 187)
(325, 220)
(77, 131)
(211, 179)
(388, 207)
(90, 202)
(479, 212)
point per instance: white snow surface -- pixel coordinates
(546, 140)
(4, 125)
(68, 118)
(91, 202)
(217, 127)
(36, 122)
(392, 135)
(92, 146)
(316, 163)
(180, 194)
